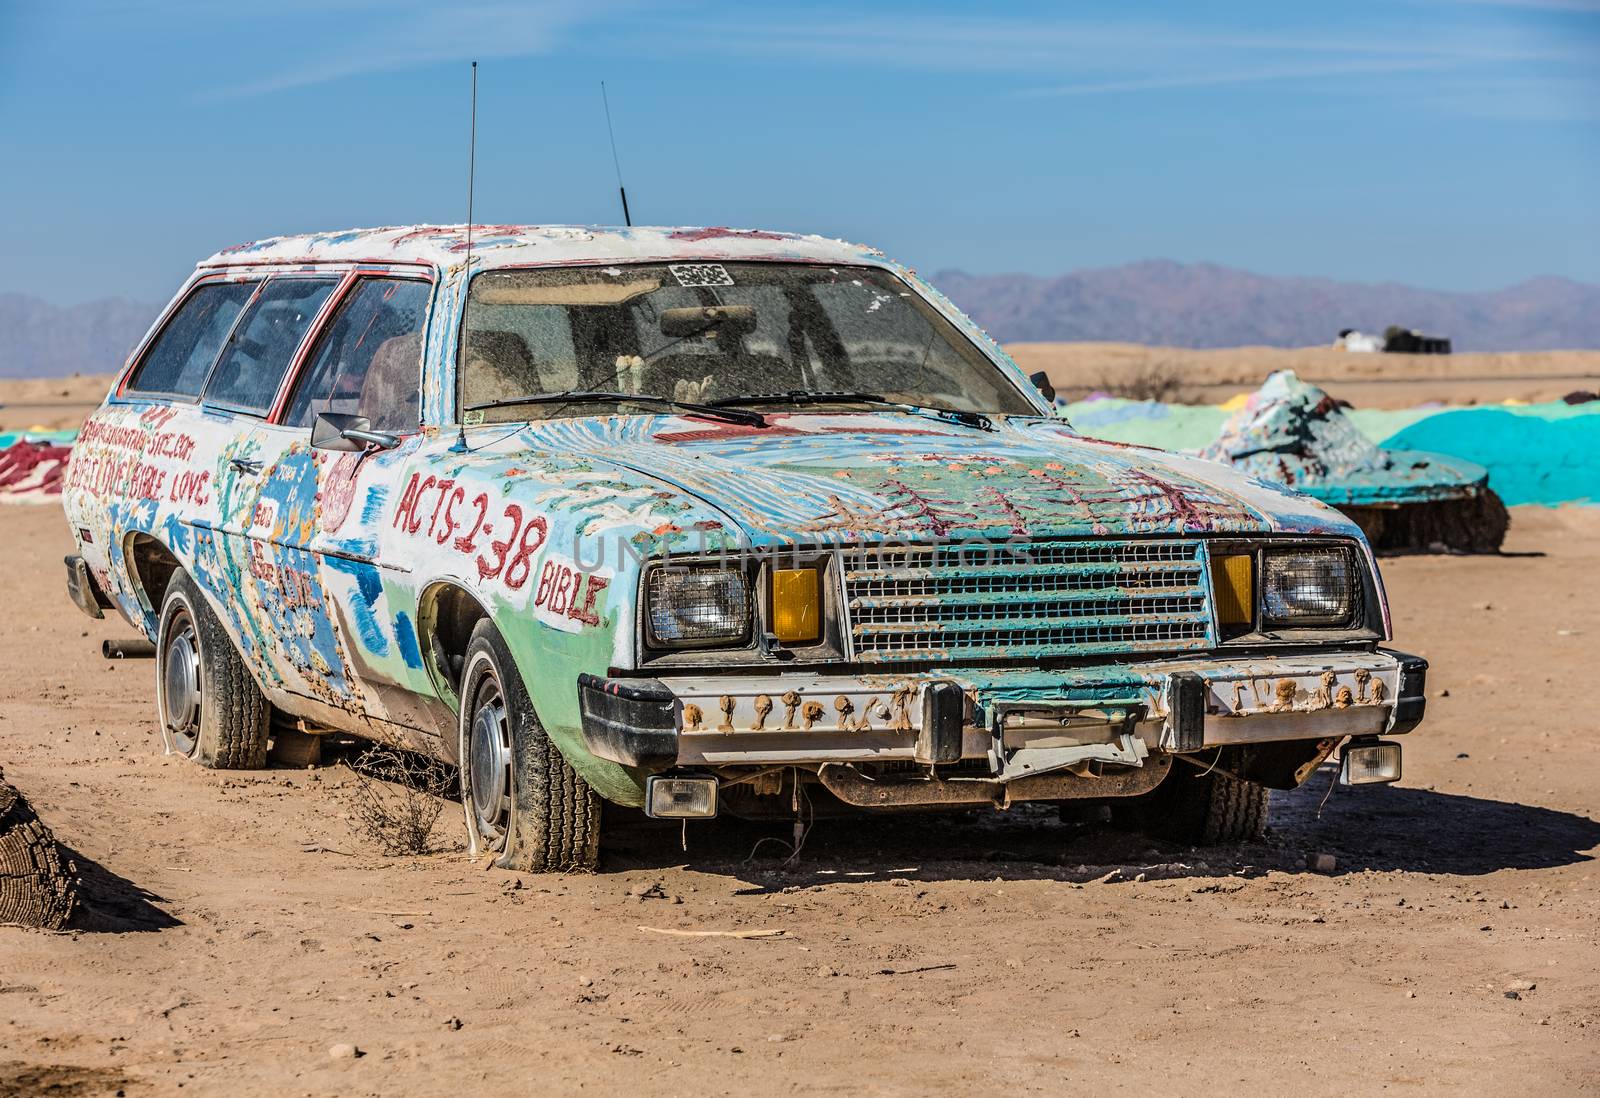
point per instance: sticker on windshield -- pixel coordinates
(701, 274)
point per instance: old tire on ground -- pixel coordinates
(36, 889)
(1198, 809)
(208, 703)
(523, 800)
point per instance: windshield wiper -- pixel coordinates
(962, 416)
(578, 396)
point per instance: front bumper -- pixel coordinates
(1026, 723)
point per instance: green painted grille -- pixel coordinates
(1009, 600)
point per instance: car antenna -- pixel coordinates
(460, 446)
(627, 219)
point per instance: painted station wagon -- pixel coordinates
(700, 520)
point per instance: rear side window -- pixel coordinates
(258, 355)
(369, 360)
(179, 360)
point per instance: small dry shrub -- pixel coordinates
(397, 797)
(1159, 381)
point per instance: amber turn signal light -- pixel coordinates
(1233, 589)
(796, 605)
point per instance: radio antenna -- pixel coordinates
(615, 163)
(460, 446)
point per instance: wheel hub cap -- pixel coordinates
(490, 767)
(180, 687)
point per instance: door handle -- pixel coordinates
(246, 465)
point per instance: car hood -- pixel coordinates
(870, 477)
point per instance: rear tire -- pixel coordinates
(523, 800)
(207, 701)
(1199, 809)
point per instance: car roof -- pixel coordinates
(528, 245)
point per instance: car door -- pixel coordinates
(322, 511)
(146, 461)
(273, 606)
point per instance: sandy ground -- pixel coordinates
(1367, 380)
(50, 403)
(237, 929)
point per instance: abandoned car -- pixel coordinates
(700, 521)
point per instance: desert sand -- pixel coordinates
(1367, 380)
(237, 930)
(52, 404)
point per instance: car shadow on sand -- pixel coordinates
(1381, 828)
(109, 903)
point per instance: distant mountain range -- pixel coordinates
(1203, 305)
(38, 339)
(1157, 301)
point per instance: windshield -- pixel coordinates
(705, 332)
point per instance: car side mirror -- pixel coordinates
(349, 434)
(1042, 381)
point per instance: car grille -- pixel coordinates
(1008, 600)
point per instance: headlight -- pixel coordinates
(1307, 587)
(693, 606)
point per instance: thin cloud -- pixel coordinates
(1576, 7)
(952, 43)
(418, 34)
(1237, 76)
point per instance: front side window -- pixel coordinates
(369, 360)
(262, 346)
(181, 356)
(712, 331)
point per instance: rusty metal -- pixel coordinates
(132, 649)
(855, 788)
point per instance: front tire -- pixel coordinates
(208, 703)
(1195, 808)
(523, 800)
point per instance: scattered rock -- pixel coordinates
(452, 1023)
(344, 1051)
(1324, 863)
(585, 981)
(1521, 986)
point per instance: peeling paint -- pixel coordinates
(319, 563)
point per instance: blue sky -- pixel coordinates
(1443, 143)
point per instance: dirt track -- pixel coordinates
(237, 929)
